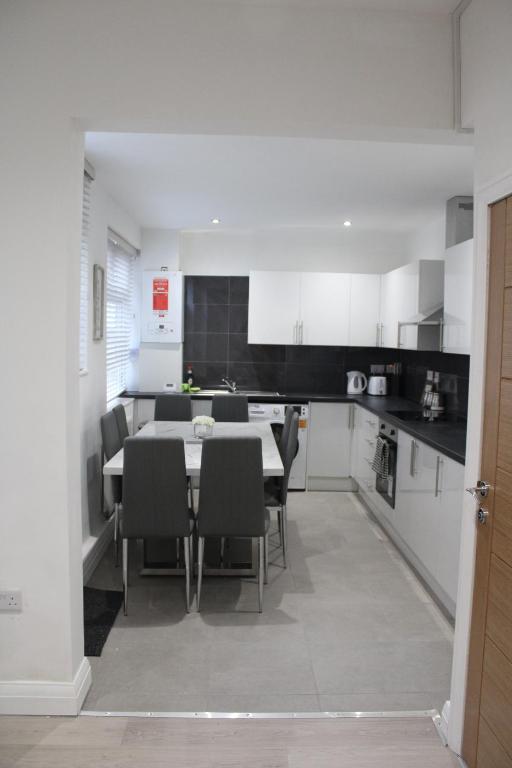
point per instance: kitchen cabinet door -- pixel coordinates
(274, 307)
(390, 302)
(329, 440)
(416, 506)
(458, 298)
(364, 329)
(451, 491)
(324, 309)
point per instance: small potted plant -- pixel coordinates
(203, 426)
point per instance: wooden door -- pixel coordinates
(487, 741)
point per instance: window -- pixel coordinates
(84, 271)
(119, 298)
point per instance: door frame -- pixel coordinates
(485, 195)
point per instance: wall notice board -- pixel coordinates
(162, 307)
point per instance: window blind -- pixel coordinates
(119, 297)
(84, 271)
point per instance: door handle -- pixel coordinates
(412, 464)
(480, 490)
(438, 468)
(482, 515)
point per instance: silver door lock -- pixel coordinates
(480, 490)
(482, 515)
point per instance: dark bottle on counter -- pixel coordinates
(189, 378)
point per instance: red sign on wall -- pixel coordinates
(160, 294)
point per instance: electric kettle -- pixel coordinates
(356, 382)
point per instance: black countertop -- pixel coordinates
(449, 438)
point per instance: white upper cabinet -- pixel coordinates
(274, 307)
(409, 294)
(324, 309)
(458, 293)
(315, 308)
(365, 305)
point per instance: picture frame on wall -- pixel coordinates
(98, 299)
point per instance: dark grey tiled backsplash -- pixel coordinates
(216, 345)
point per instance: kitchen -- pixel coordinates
(297, 331)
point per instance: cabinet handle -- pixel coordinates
(351, 420)
(437, 490)
(441, 335)
(377, 343)
(412, 466)
(371, 423)
(370, 442)
(381, 335)
(295, 332)
(301, 329)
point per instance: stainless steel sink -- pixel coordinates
(251, 392)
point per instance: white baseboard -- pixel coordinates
(445, 717)
(32, 697)
(94, 549)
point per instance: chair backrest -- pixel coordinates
(110, 435)
(122, 424)
(231, 500)
(230, 408)
(288, 416)
(155, 502)
(173, 407)
(290, 452)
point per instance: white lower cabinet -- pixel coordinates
(329, 446)
(428, 512)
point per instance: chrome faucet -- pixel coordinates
(230, 384)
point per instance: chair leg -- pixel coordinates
(116, 534)
(186, 550)
(261, 571)
(191, 489)
(284, 523)
(191, 555)
(266, 558)
(280, 527)
(125, 576)
(200, 555)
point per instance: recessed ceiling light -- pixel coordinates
(215, 221)
(347, 223)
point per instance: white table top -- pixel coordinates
(272, 464)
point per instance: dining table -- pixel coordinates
(235, 556)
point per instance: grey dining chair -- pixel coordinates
(122, 424)
(231, 500)
(276, 488)
(230, 408)
(173, 407)
(112, 443)
(155, 501)
(283, 440)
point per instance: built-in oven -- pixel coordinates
(385, 471)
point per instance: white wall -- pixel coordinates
(105, 214)
(429, 241)
(486, 32)
(158, 364)
(309, 250)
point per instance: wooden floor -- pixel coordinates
(108, 742)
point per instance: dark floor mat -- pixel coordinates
(100, 610)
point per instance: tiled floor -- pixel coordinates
(346, 627)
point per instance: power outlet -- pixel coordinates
(10, 601)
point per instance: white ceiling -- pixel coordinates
(182, 182)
